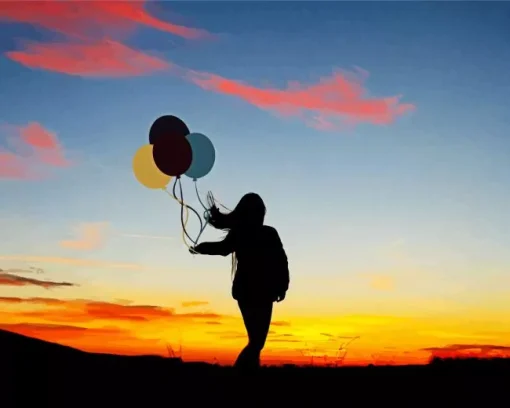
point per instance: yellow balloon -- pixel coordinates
(146, 171)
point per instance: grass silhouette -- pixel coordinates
(34, 371)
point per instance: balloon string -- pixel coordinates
(207, 210)
(185, 222)
(183, 206)
(196, 213)
(206, 218)
(198, 195)
(211, 200)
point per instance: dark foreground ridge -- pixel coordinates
(53, 375)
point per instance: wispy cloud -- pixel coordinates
(97, 58)
(19, 270)
(90, 236)
(81, 19)
(45, 144)
(93, 31)
(9, 279)
(283, 338)
(334, 103)
(35, 150)
(32, 329)
(143, 236)
(82, 311)
(469, 350)
(75, 262)
(280, 323)
(194, 303)
(94, 48)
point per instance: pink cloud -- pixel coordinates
(86, 19)
(44, 143)
(334, 102)
(101, 58)
(13, 166)
(44, 151)
(92, 47)
(92, 50)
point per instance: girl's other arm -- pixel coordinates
(280, 259)
(223, 248)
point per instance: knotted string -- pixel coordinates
(182, 210)
(184, 213)
(206, 211)
(212, 201)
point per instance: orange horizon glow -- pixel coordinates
(202, 335)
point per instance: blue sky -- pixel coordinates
(433, 183)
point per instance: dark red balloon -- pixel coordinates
(172, 155)
(167, 126)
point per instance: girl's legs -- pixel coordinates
(257, 319)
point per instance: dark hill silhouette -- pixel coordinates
(55, 375)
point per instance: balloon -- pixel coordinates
(146, 171)
(167, 126)
(204, 155)
(172, 155)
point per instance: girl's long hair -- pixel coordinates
(249, 213)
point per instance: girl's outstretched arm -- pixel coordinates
(223, 248)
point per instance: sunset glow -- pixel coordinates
(380, 147)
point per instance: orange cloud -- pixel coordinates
(77, 310)
(34, 329)
(333, 103)
(43, 148)
(86, 338)
(194, 303)
(8, 279)
(280, 323)
(469, 350)
(37, 300)
(90, 236)
(100, 58)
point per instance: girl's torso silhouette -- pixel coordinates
(262, 267)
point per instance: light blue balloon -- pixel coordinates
(204, 155)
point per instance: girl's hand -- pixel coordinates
(280, 297)
(195, 250)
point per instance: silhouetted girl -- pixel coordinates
(260, 268)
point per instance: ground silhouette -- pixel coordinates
(48, 374)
